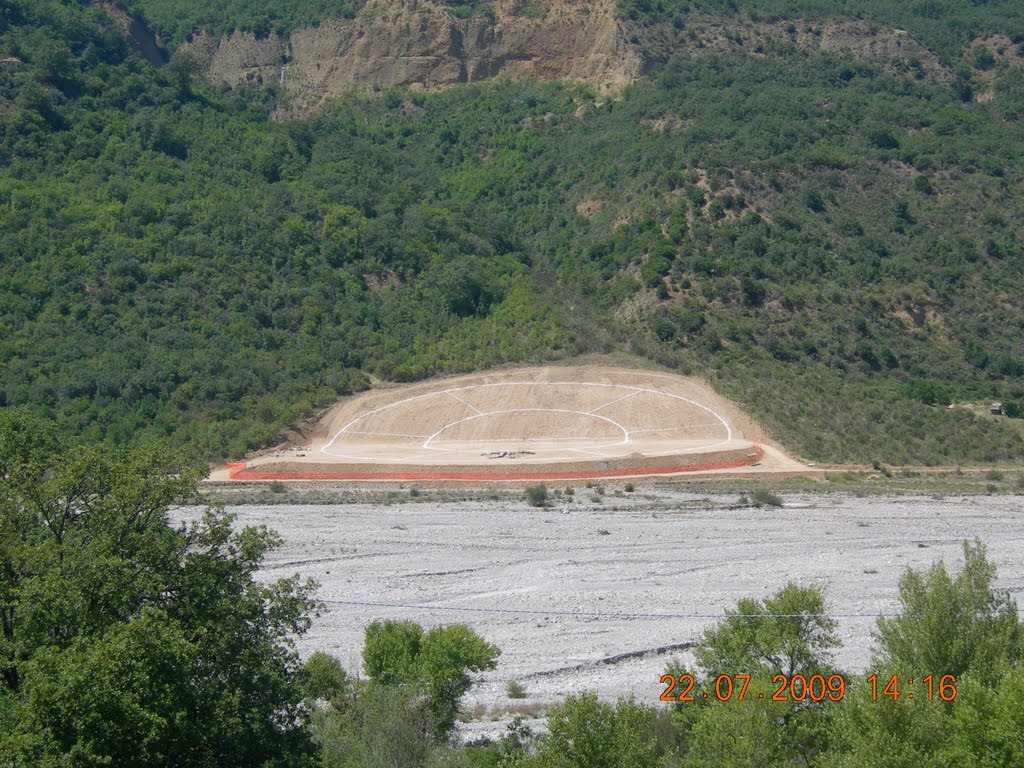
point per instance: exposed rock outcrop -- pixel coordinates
(240, 58)
(420, 43)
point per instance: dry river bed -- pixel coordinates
(581, 595)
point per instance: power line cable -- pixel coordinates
(611, 614)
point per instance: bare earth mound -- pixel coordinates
(528, 424)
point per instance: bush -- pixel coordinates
(584, 732)
(763, 498)
(277, 487)
(515, 690)
(953, 623)
(437, 662)
(537, 495)
(629, 488)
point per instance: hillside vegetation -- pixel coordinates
(174, 22)
(943, 25)
(834, 244)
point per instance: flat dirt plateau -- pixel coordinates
(524, 424)
(599, 591)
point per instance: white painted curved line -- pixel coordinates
(459, 399)
(634, 390)
(446, 427)
(671, 429)
(613, 402)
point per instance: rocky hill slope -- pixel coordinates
(423, 44)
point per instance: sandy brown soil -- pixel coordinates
(561, 422)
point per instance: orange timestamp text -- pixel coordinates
(799, 688)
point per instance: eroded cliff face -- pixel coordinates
(421, 44)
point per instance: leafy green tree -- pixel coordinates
(905, 733)
(789, 633)
(537, 495)
(952, 625)
(739, 734)
(987, 725)
(322, 677)
(584, 732)
(436, 663)
(786, 634)
(125, 640)
(379, 726)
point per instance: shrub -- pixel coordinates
(763, 498)
(437, 662)
(515, 690)
(957, 623)
(277, 487)
(629, 488)
(537, 495)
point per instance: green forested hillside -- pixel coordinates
(836, 246)
(175, 21)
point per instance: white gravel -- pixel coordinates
(665, 552)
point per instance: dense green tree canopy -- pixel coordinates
(125, 640)
(790, 633)
(953, 625)
(586, 733)
(436, 663)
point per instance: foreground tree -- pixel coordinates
(957, 625)
(584, 732)
(127, 641)
(788, 633)
(952, 625)
(401, 716)
(436, 662)
(987, 726)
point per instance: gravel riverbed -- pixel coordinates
(580, 595)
